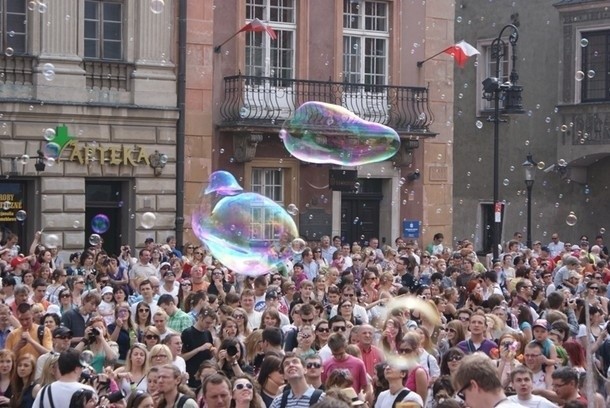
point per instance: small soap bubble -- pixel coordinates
(292, 209)
(49, 161)
(308, 137)
(86, 357)
(506, 182)
(21, 215)
(579, 76)
(51, 241)
(6, 205)
(527, 142)
(602, 230)
(562, 162)
(24, 159)
(51, 149)
(540, 165)
(9, 51)
(95, 239)
(512, 168)
(31, 5)
(564, 128)
(298, 245)
(100, 223)
(571, 219)
(48, 71)
(148, 220)
(547, 119)
(42, 8)
(479, 124)
(157, 6)
(49, 134)
(584, 42)
(76, 224)
(221, 151)
(590, 73)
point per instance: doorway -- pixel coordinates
(13, 198)
(360, 212)
(105, 197)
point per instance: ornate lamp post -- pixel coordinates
(529, 166)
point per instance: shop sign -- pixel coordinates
(11, 201)
(114, 155)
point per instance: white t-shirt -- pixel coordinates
(539, 380)
(62, 393)
(173, 292)
(535, 401)
(254, 319)
(359, 311)
(386, 399)
(180, 363)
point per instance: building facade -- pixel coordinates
(102, 75)
(561, 59)
(358, 54)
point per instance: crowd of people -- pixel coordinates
(336, 325)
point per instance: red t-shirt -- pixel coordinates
(351, 364)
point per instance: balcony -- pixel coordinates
(264, 102)
(16, 69)
(108, 75)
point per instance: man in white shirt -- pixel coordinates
(62, 390)
(397, 392)
(555, 246)
(349, 293)
(142, 269)
(521, 378)
(247, 303)
(327, 249)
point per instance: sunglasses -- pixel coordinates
(336, 329)
(241, 386)
(186, 284)
(198, 253)
(323, 330)
(151, 336)
(405, 351)
(454, 358)
(238, 316)
(307, 320)
(143, 310)
(313, 365)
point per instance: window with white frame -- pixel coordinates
(487, 68)
(104, 29)
(269, 183)
(13, 25)
(595, 69)
(266, 57)
(365, 42)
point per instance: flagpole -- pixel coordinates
(218, 47)
(420, 63)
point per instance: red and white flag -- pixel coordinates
(461, 52)
(258, 26)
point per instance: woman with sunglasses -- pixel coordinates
(142, 319)
(369, 282)
(454, 334)
(132, 376)
(322, 333)
(241, 318)
(270, 378)
(450, 361)
(186, 287)
(188, 253)
(78, 287)
(418, 378)
(245, 393)
(65, 300)
(151, 337)
(198, 257)
(124, 331)
(319, 259)
(219, 285)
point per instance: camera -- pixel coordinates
(232, 351)
(93, 334)
(115, 396)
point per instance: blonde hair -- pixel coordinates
(48, 370)
(159, 349)
(142, 347)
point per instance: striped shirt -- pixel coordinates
(301, 402)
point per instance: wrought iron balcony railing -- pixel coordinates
(265, 101)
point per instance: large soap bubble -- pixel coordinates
(100, 223)
(223, 183)
(392, 347)
(325, 133)
(244, 231)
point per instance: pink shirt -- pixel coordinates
(370, 358)
(351, 364)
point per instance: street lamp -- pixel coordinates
(510, 93)
(529, 165)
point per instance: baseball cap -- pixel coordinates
(541, 323)
(165, 264)
(61, 331)
(18, 260)
(271, 294)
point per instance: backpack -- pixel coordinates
(40, 333)
(400, 397)
(312, 400)
(182, 400)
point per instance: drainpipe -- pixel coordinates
(180, 126)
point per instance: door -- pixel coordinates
(105, 198)
(360, 212)
(13, 198)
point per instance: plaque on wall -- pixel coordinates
(342, 180)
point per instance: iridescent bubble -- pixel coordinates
(95, 239)
(349, 141)
(540, 165)
(392, 346)
(584, 42)
(157, 6)
(148, 220)
(579, 76)
(9, 52)
(51, 241)
(51, 149)
(590, 73)
(223, 183)
(292, 209)
(49, 161)
(100, 223)
(21, 215)
(48, 71)
(298, 245)
(48, 134)
(479, 124)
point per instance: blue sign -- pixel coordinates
(410, 228)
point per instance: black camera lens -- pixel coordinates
(115, 396)
(232, 351)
